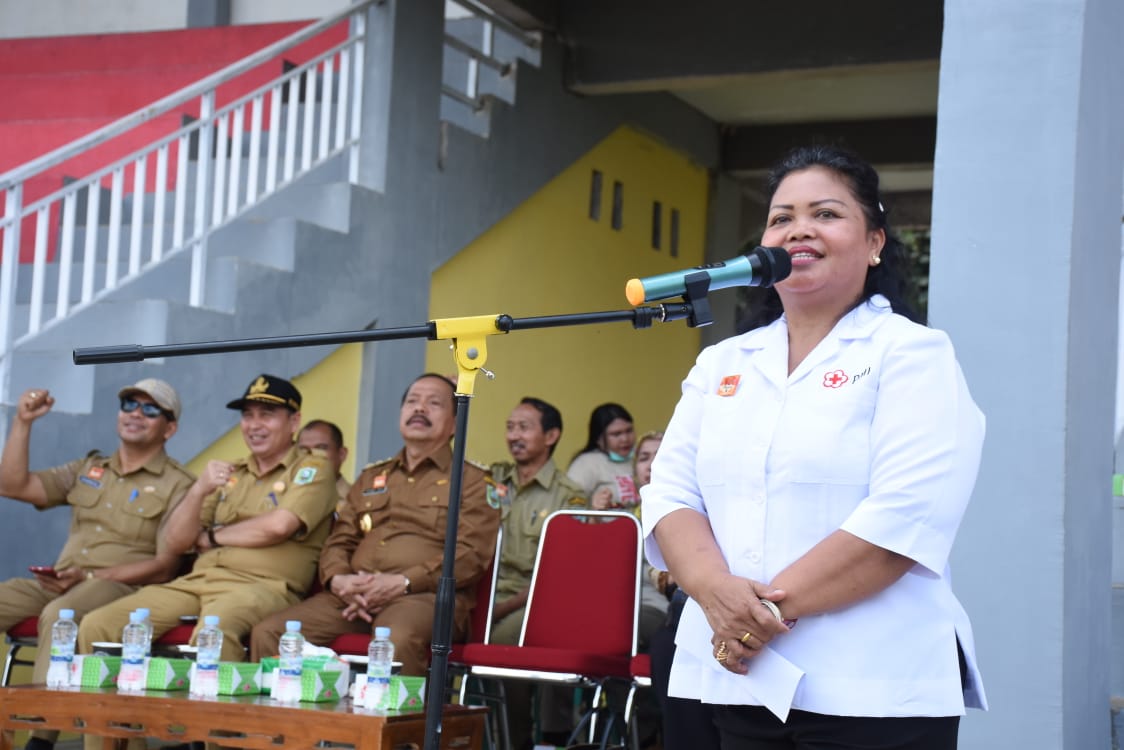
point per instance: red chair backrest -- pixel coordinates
(586, 586)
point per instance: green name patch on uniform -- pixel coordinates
(305, 475)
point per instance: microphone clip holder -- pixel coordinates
(696, 287)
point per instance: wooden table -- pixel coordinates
(252, 722)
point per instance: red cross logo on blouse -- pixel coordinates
(834, 379)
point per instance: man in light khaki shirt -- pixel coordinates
(527, 490)
(119, 505)
(257, 523)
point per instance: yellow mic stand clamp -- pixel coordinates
(470, 348)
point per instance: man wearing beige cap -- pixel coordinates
(257, 524)
(119, 503)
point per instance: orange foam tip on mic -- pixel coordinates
(634, 292)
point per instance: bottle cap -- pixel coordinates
(293, 626)
(66, 614)
(382, 632)
(144, 612)
(211, 621)
(136, 617)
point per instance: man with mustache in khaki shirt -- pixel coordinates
(382, 562)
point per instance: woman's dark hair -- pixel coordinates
(599, 421)
(889, 278)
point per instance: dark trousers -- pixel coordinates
(756, 728)
(687, 724)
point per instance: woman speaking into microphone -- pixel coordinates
(809, 489)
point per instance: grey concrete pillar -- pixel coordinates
(1025, 261)
(207, 13)
(402, 82)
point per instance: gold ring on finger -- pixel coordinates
(744, 640)
(722, 653)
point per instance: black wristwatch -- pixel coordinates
(211, 536)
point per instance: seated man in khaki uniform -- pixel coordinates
(527, 491)
(119, 503)
(382, 562)
(257, 525)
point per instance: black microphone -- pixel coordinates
(762, 266)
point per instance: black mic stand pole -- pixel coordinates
(470, 350)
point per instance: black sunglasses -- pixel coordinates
(152, 411)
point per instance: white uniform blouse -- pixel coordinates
(874, 433)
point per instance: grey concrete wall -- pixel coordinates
(1025, 260)
(270, 11)
(27, 18)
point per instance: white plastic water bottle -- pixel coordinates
(132, 677)
(208, 642)
(287, 680)
(380, 657)
(146, 620)
(63, 634)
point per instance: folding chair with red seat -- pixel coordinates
(580, 623)
(24, 634)
(641, 669)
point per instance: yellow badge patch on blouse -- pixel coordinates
(729, 385)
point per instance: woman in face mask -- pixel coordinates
(604, 466)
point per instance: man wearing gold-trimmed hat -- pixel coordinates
(119, 504)
(257, 524)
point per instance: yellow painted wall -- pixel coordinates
(548, 257)
(329, 391)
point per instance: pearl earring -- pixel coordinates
(875, 260)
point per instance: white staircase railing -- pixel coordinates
(156, 183)
(483, 55)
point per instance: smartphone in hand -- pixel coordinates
(47, 571)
